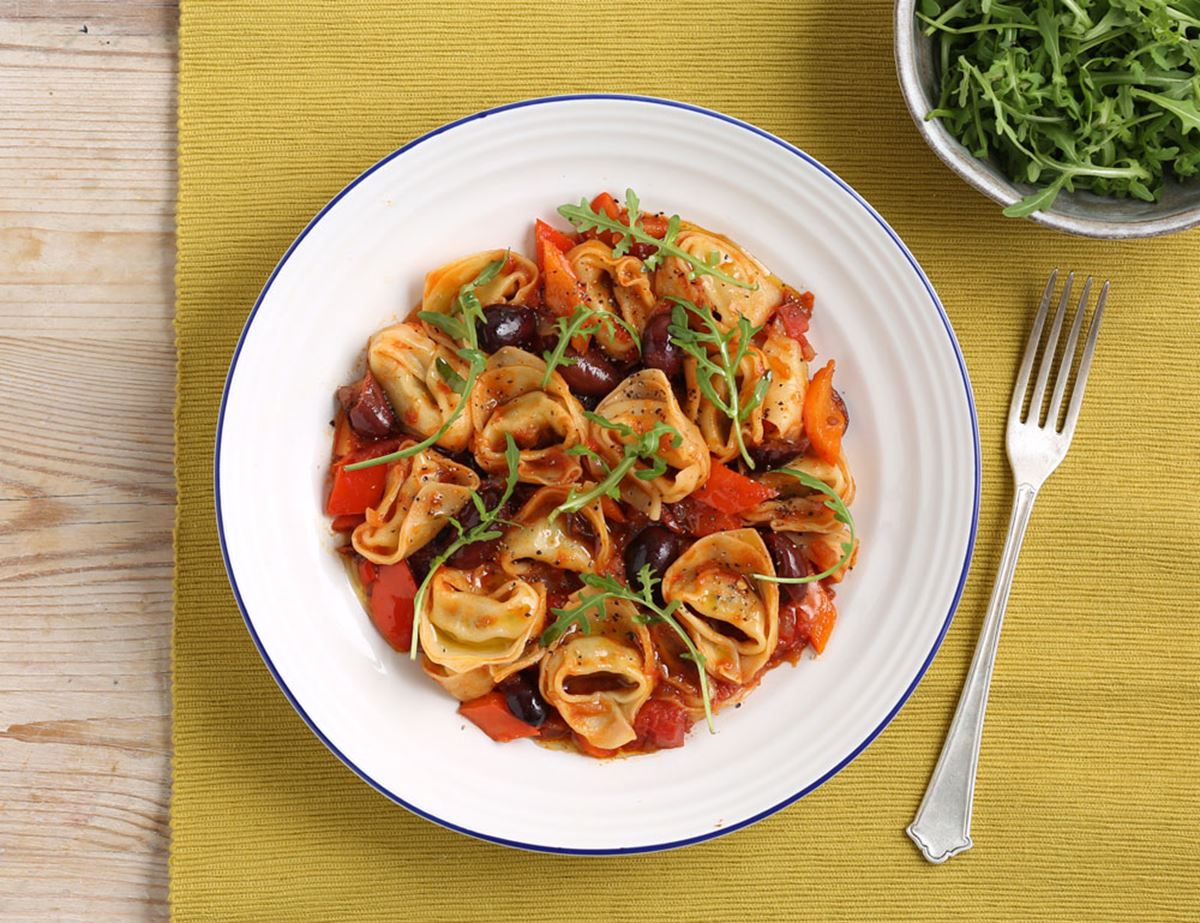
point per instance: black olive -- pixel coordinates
(367, 408)
(473, 555)
(841, 405)
(772, 453)
(590, 374)
(508, 325)
(524, 701)
(659, 351)
(785, 555)
(419, 561)
(655, 545)
(589, 401)
(580, 527)
(477, 553)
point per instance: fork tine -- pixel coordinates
(1068, 357)
(1022, 385)
(1039, 388)
(1085, 363)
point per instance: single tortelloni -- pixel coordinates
(478, 627)
(420, 496)
(516, 283)
(508, 399)
(404, 359)
(727, 302)
(617, 285)
(599, 681)
(732, 618)
(782, 409)
(714, 424)
(799, 508)
(576, 541)
(639, 402)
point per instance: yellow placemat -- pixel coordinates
(1089, 790)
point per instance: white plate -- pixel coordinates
(479, 183)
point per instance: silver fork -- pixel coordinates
(942, 827)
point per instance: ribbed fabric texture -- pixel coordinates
(1087, 802)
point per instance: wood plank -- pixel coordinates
(87, 184)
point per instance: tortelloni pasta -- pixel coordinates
(587, 555)
(545, 422)
(639, 402)
(404, 359)
(420, 497)
(616, 285)
(479, 626)
(798, 508)
(728, 302)
(732, 617)
(782, 408)
(516, 283)
(714, 425)
(577, 541)
(598, 682)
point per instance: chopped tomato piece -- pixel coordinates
(353, 492)
(562, 288)
(794, 319)
(491, 715)
(794, 315)
(655, 225)
(392, 593)
(662, 724)
(792, 637)
(347, 523)
(368, 572)
(604, 202)
(795, 311)
(345, 439)
(731, 492)
(543, 231)
(824, 415)
(816, 615)
(692, 517)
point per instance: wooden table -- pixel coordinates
(87, 187)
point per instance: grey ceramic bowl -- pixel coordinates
(1074, 212)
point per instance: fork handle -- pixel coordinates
(942, 827)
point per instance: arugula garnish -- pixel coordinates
(731, 348)
(580, 323)
(482, 531)
(608, 587)
(644, 447)
(1097, 96)
(586, 218)
(841, 513)
(459, 326)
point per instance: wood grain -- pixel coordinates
(87, 184)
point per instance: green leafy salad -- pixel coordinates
(1098, 95)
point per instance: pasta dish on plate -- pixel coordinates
(597, 494)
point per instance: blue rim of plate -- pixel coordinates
(700, 838)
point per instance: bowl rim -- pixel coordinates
(966, 165)
(892, 712)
